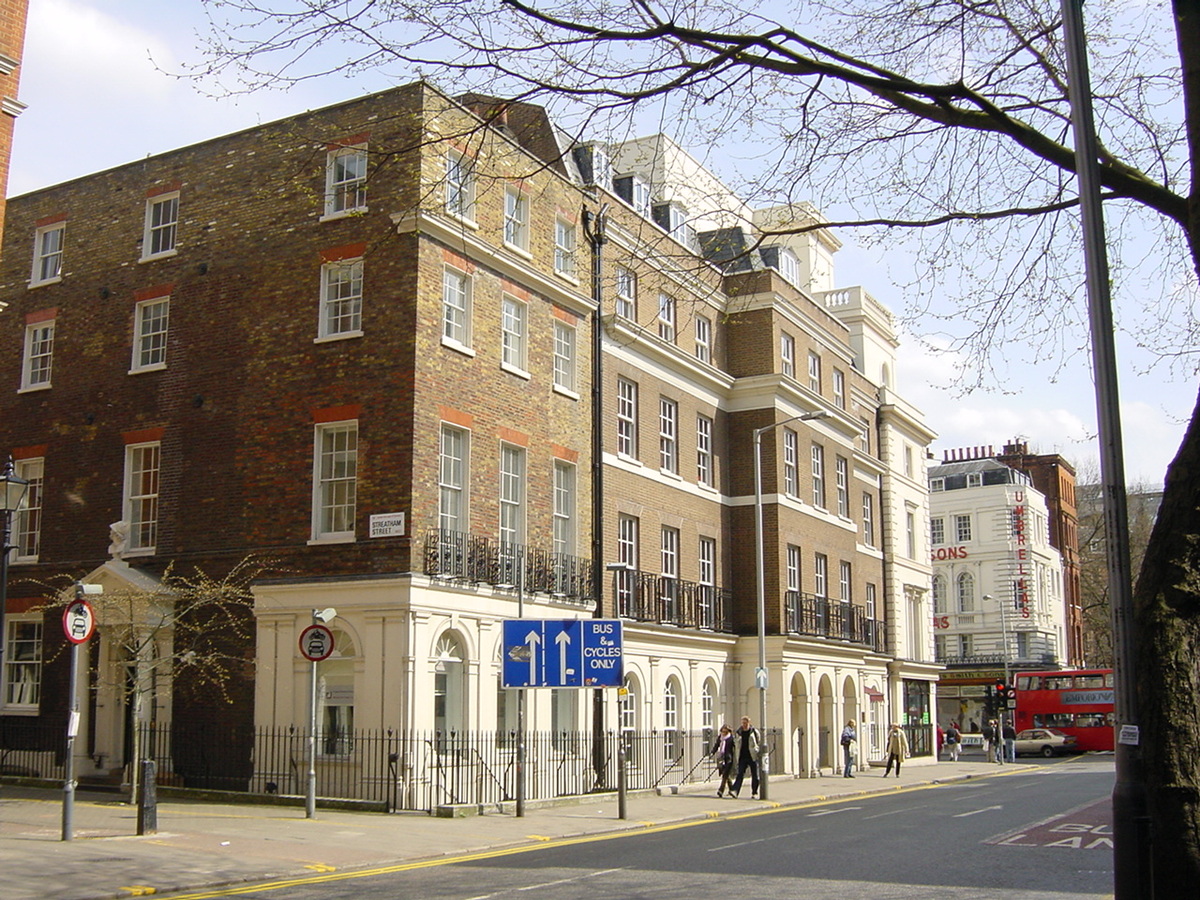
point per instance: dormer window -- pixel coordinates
(673, 219)
(788, 266)
(635, 191)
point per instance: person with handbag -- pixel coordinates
(722, 751)
(747, 758)
(897, 749)
(849, 745)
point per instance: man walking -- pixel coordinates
(897, 749)
(747, 758)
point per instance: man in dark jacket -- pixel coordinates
(747, 758)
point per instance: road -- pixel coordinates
(1038, 833)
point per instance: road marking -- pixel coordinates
(775, 837)
(894, 812)
(831, 812)
(545, 884)
(539, 837)
(321, 867)
(139, 890)
(975, 812)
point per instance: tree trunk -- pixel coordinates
(1167, 621)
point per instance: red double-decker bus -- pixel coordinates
(1077, 702)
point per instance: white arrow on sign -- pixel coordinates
(563, 639)
(531, 641)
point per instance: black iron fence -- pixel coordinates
(32, 749)
(425, 770)
(646, 597)
(808, 614)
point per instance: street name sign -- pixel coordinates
(563, 653)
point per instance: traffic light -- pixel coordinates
(1002, 692)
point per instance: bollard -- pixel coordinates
(147, 801)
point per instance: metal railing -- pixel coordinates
(809, 614)
(646, 597)
(425, 770)
(463, 556)
(32, 749)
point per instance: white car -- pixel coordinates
(1044, 742)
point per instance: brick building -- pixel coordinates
(360, 341)
(13, 17)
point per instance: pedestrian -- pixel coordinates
(1010, 742)
(747, 758)
(941, 741)
(953, 741)
(997, 743)
(722, 750)
(849, 745)
(989, 741)
(897, 749)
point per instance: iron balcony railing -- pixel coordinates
(841, 620)
(463, 556)
(646, 597)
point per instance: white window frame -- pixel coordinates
(514, 334)
(937, 485)
(668, 435)
(821, 575)
(627, 418)
(792, 568)
(703, 338)
(23, 664)
(335, 481)
(563, 530)
(937, 530)
(666, 317)
(457, 290)
(962, 528)
(516, 219)
(965, 592)
(704, 456)
(151, 326)
(453, 466)
(512, 494)
(565, 248)
(872, 600)
(49, 244)
(626, 293)
(818, 476)
(814, 373)
(791, 470)
(143, 468)
(27, 521)
(842, 479)
(788, 266)
(341, 299)
(160, 234)
(845, 581)
(787, 354)
(37, 366)
(868, 519)
(459, 196)
(839, 388)
(910, 532)
(564, 358)
(345, 183)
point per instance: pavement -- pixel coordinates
(203, 845)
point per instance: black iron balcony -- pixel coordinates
(462, 556)
(841, 620)
(646, 597)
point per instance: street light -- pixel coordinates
(12, 495)
(760, 675)
(320, 617)
(1000, 711)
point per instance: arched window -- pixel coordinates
(708, 711)
(966, 592)
(449, 672)
(629, 716)
(671, 742)
(939, 594)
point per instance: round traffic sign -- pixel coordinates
(316, 643)
(79, 621)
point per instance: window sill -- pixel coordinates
(670, 473)
(139, 551)
(342, 214)
(37, 284)
(519, 251)
(34, 388)
(572, 395)
(331, 539)
(20, 711)
(340, 336)
(466, 221)
(514, 370)
(568, 277)
(626, 458)
(166, 254)
(705, 486)
(157, 367)
(451, 344)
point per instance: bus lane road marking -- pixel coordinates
(1087, 827)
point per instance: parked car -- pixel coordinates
(1044, 742)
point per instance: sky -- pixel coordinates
(100, 79)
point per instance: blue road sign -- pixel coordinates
(579, 653)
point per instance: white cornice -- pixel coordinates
(11, 106)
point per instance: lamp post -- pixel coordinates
(622, 789)
(317, 644)
(12, 495)
(1004, 659)
(760, 675)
